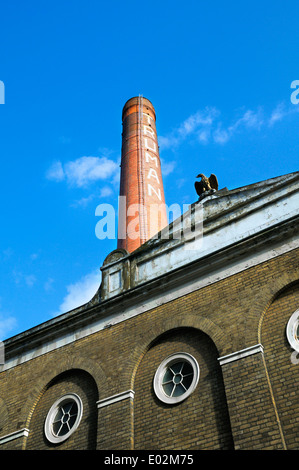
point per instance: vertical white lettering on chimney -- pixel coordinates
(157, 192)
(146, 144)
(153, 174)
(148, 156)
(149, 131)
(150, 120)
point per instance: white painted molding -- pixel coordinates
(291, 331)
(235, 356)
(115, 398)
(139, 307)
(14, 435)
(160, 373)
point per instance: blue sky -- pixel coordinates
(219, 75)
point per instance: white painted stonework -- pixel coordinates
(240, 229)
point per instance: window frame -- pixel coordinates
(48, 427)
(291, 330)
(160, 372)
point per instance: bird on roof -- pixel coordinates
(206, 184)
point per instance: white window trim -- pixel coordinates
(157, 383)
(52, 412)
(291, 330)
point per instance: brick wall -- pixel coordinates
(249, 403)
(84, 437)
(199, 422)
(282, 366)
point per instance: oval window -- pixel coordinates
(176, 378)
(292, 331)
(63, 418)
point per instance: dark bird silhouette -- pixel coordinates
(206, 184)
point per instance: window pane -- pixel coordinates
(58, 415)
(74, 409)
(168, 376)
(168, 388)
(176, 367)
(72, 420)
(188, 380)
(56, 427)
(67, 406)
(187, 369)
(179, 390)
(64, 430)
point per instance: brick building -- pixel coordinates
(190, 342)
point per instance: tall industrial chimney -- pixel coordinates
(142, 210)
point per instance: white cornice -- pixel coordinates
(107, 315)
(14, 435)
(235, 356)
(115, 398)
(230, 249)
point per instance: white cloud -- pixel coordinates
(167, 142)
(281, 112)
(83, 202)
(167, 167)
(48, 284)
(105, 191)
(277, 115)
(197, 125)
(84, 170)
(198, 121)
(250, 119)
(21, 278)
(56, 172)
(88, 169)
(207, 126)
(80, 292)
(7, 323)
(204, 135)
(30, 280)
(221, 136)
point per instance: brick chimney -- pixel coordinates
(142, 210)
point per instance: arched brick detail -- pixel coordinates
(70, 380)
(51, 371)
(274, 293)
(206, 407)
(194, 321)
(281, 367)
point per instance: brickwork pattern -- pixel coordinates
(115, 424)
(251, 409)
(232, 314)
(140, 166)
(282, 369)
(199, 422)
(84, 436)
